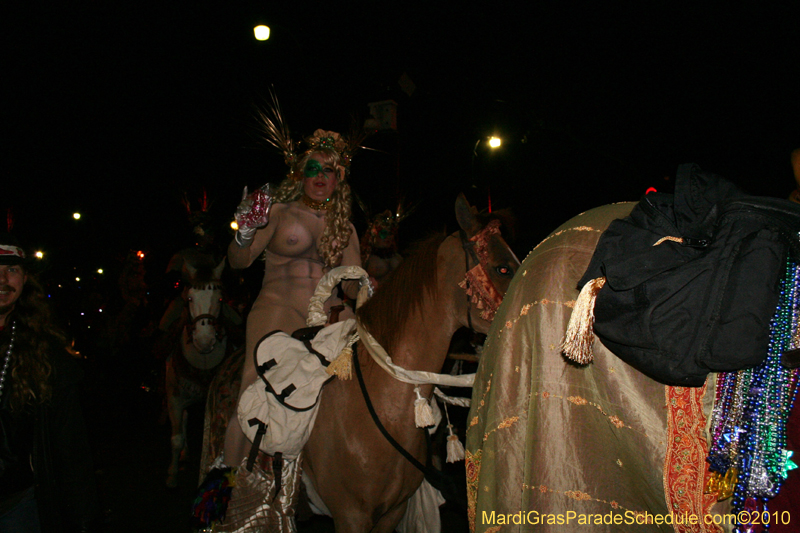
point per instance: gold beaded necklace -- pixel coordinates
(313, 204)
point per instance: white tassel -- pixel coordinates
(579, 338)
(455, 450)
(423, 414)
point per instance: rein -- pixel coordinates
(469, 250)
(445, 484)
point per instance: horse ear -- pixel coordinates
(467, 216)
(219, 268)
(190, 269)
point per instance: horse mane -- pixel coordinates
(203, 278)
(386, 314)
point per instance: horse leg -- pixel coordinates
(358, 522)
(184, 431)
(177, 440)
(175, 409)
(388, 522)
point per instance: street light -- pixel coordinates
(494, 142)
(261, 32)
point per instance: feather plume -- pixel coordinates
(274, 128)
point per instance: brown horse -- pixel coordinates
(361, 478)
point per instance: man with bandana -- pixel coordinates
(46, 477)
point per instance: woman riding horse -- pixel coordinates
(304, 233)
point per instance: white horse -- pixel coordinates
(203, 346)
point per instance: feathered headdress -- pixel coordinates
(277, 133)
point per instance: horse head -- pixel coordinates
(204, 298)
(489, 264)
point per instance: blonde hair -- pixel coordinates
(337, 219)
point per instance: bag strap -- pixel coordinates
(286, 392)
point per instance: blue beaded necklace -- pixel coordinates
(748, 456)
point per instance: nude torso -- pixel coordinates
(292, 270)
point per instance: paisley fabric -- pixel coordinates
(548, 437)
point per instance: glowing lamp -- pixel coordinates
(494, 142)
(76, 216)
(39, 255)
(234, 226)
(261, 32)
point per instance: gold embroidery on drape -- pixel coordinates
(482, 401)
(580, 401)
(525, 309)
(473, 471)
(578, 495)
(685, 468)
(506, 423)
(556, 234)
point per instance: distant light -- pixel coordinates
(234, 226)
(261, 32)
(100, 310)
(77, 279)
(39, 254)
(81, 314)
(140, 255)
(99, 270)
(76, 216)
(494, 142)
(650, 189)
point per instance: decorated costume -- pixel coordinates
(300, 230)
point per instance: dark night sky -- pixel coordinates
(116, 109)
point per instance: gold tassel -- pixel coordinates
(579, 337)
(455, 450)
(342, 366)
(423, 414)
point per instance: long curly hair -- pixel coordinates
(36, 336)
(337, 219)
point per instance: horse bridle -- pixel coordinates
(469, 244)
(213, 321)
(469, 250)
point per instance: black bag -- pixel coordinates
(692, 280)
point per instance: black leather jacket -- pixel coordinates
(51, 438)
